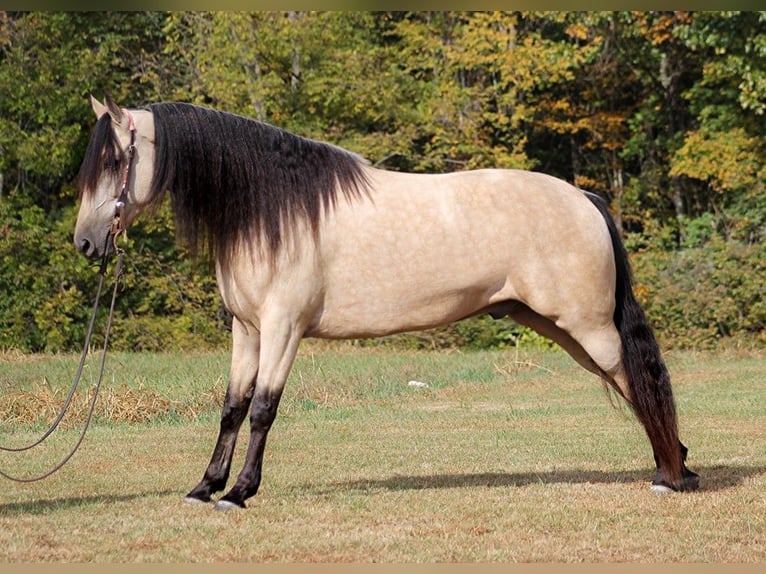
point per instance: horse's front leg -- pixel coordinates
(242, 376)
(280, 340)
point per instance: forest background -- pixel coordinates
(661, 113)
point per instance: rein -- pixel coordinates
(116, 228)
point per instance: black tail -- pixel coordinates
(651, 395)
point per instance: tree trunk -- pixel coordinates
(618, 190)
(295, 76)
(677, 197)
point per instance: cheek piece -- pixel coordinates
(118, 223)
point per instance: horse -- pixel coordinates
(311, 240)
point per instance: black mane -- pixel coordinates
(233, 179)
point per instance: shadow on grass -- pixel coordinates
(712, 478)
(53, 504)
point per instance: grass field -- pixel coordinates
(506, 456)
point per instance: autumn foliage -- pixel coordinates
(661, 113)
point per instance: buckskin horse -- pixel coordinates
(310, 240)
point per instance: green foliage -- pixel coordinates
(44, 306)
(662, 113)
(700, 295)
(728, 159)
(724, 151)
(49, 62)
(165, 301)
(477, 333)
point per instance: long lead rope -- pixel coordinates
(78, 375)
(116, 229)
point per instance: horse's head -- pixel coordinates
(115, 179)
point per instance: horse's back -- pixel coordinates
(425, 250)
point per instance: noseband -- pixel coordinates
(118, 223)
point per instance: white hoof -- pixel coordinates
(661, 489)
(226, 505)
(196, 501)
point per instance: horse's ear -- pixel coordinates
(114, 110)
(98, 108)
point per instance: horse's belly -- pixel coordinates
(378, 316)
(408, 295)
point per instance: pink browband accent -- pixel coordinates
(131, 123)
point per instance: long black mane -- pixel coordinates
(233, 179)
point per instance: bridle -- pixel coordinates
(118, 222)
(116, 228)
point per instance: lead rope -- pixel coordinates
(78, 375)
(116, 228)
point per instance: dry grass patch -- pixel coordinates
(124, 404)
(135, 390)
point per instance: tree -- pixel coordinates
(662, 113)
(49, 62)
(724, 153)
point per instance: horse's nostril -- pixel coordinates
(84, 246)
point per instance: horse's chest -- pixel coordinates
(250, 292)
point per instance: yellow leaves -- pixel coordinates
(5, 34)
(726, 160)
(588, 183)
(660, 27)
(642, 293)
(577, 31)
(608, 130)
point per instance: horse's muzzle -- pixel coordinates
(91, 249)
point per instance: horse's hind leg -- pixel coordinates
(242, 376)
(544, 326)
(649, 396)
(599, 350)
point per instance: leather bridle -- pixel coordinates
(118, 222)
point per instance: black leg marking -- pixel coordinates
(690, 479)
(217, 472)
(264, 411)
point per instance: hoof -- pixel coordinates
(661, 489)
(196, 501)
(227, 505)
(691, 480)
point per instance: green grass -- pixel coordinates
(505, 457)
